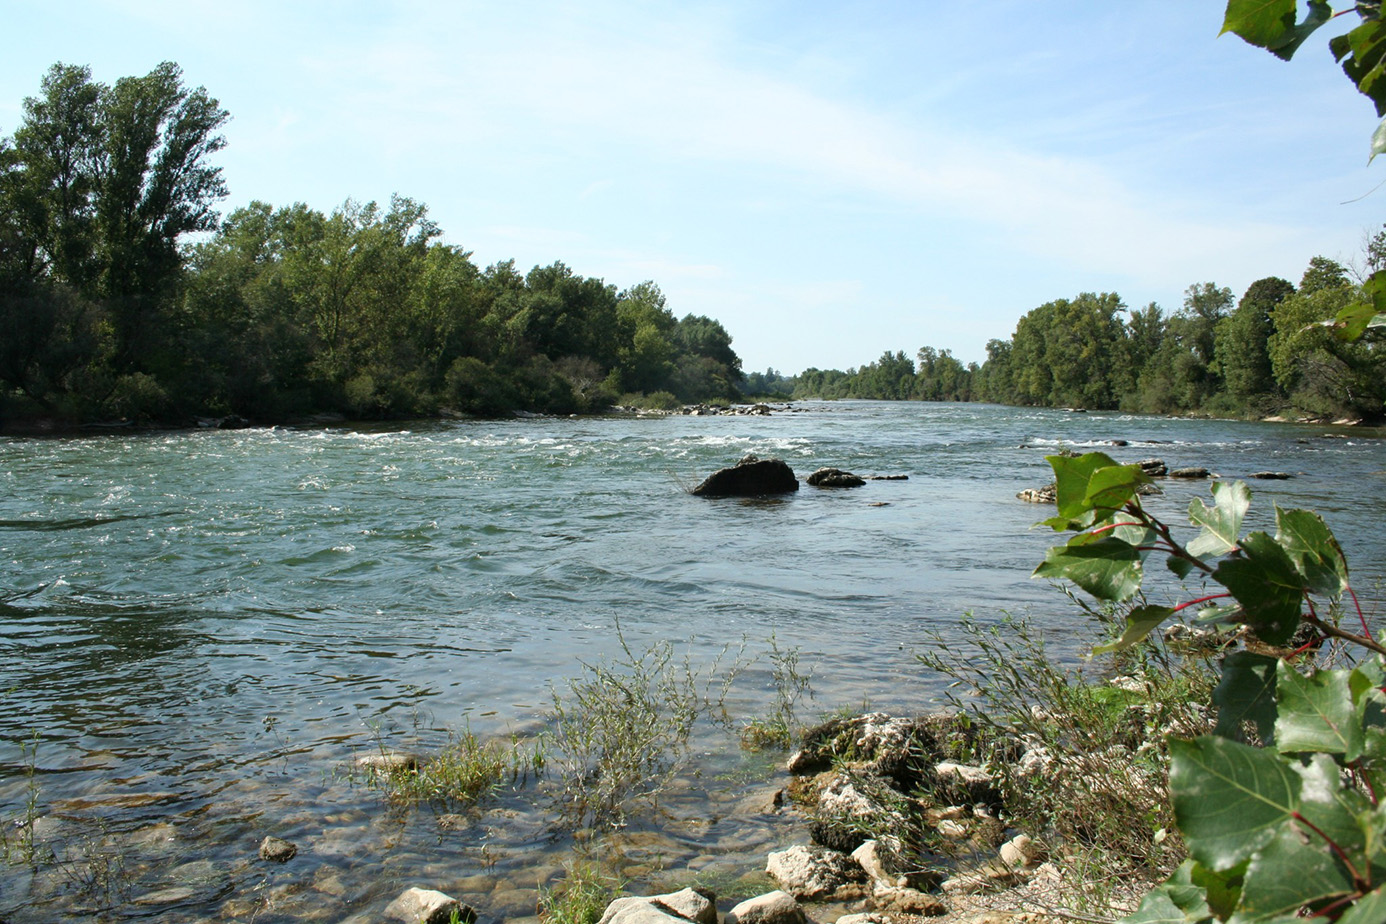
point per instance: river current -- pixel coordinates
(201, 629)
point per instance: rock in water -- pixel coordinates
(277, 850)
(751, 477)
(427, 906)
(1048, 494)
(835, 478)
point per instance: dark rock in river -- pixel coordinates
(1189, 473)
(1155, 468)
(750, 477)
(835, 478)
(1272, 476)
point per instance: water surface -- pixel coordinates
(200, 630)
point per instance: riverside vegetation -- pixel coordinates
(283, 312)
(1239, 760)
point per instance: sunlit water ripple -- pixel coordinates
(200, 629)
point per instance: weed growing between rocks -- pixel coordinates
(779, 729)
(580, 897)
(1081, 761)
(460, 773)
(619, 730)
(96, 871)
(17, 842)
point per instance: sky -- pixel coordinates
(829, 180)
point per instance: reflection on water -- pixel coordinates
(202, 630)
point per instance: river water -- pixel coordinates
(201, 630)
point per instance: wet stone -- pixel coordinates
(154, 837)
(277, 850)
(239, 908)
(170, 896)
(511, 903)
(330, 881)
(476, 885)
(453, 822)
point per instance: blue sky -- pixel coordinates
(830, 180)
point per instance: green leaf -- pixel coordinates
(1317, 713)
(1223, 889)
(1109, 488)
(1140, 622)
(1071, 477)
(1366, 681)
(1330, 810)
(1171, 904)
(1270, 24)
(1263, 579)
(1369, 909)
(1354, 320)
(1314, 550)
(1107, 568)
(1224, 612)
(1222, 523)
(1229, 798)
(1306, 860)
(1184, 898)
(1246, 692)
(1290, 871)
(1361, 53)
(1180, 566)
(1373, 826)
(1378, 146)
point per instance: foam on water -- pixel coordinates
(217, 620)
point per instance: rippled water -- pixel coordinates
(200, 629)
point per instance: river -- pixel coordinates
(201, 630)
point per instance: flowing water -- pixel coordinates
(201, 630)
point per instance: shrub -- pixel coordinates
(1293, 826)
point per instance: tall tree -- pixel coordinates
(1241, 341)
(110, 179)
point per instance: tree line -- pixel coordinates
(1262, 354)
(108, 311)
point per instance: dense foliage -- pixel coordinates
(1281, 807)
(1275, 348)
(107, 310)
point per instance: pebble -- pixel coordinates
(277, 850)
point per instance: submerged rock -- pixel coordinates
(751, 477)
(1272, 476)
(388, 762)
(277, 850)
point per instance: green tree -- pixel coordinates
(707, 366)
(1071, 353)
(1241, 342)
(1320, 372)
(53, 191)
(646, 357)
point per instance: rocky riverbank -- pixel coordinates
(898, 820)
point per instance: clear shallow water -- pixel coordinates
(200, 629)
